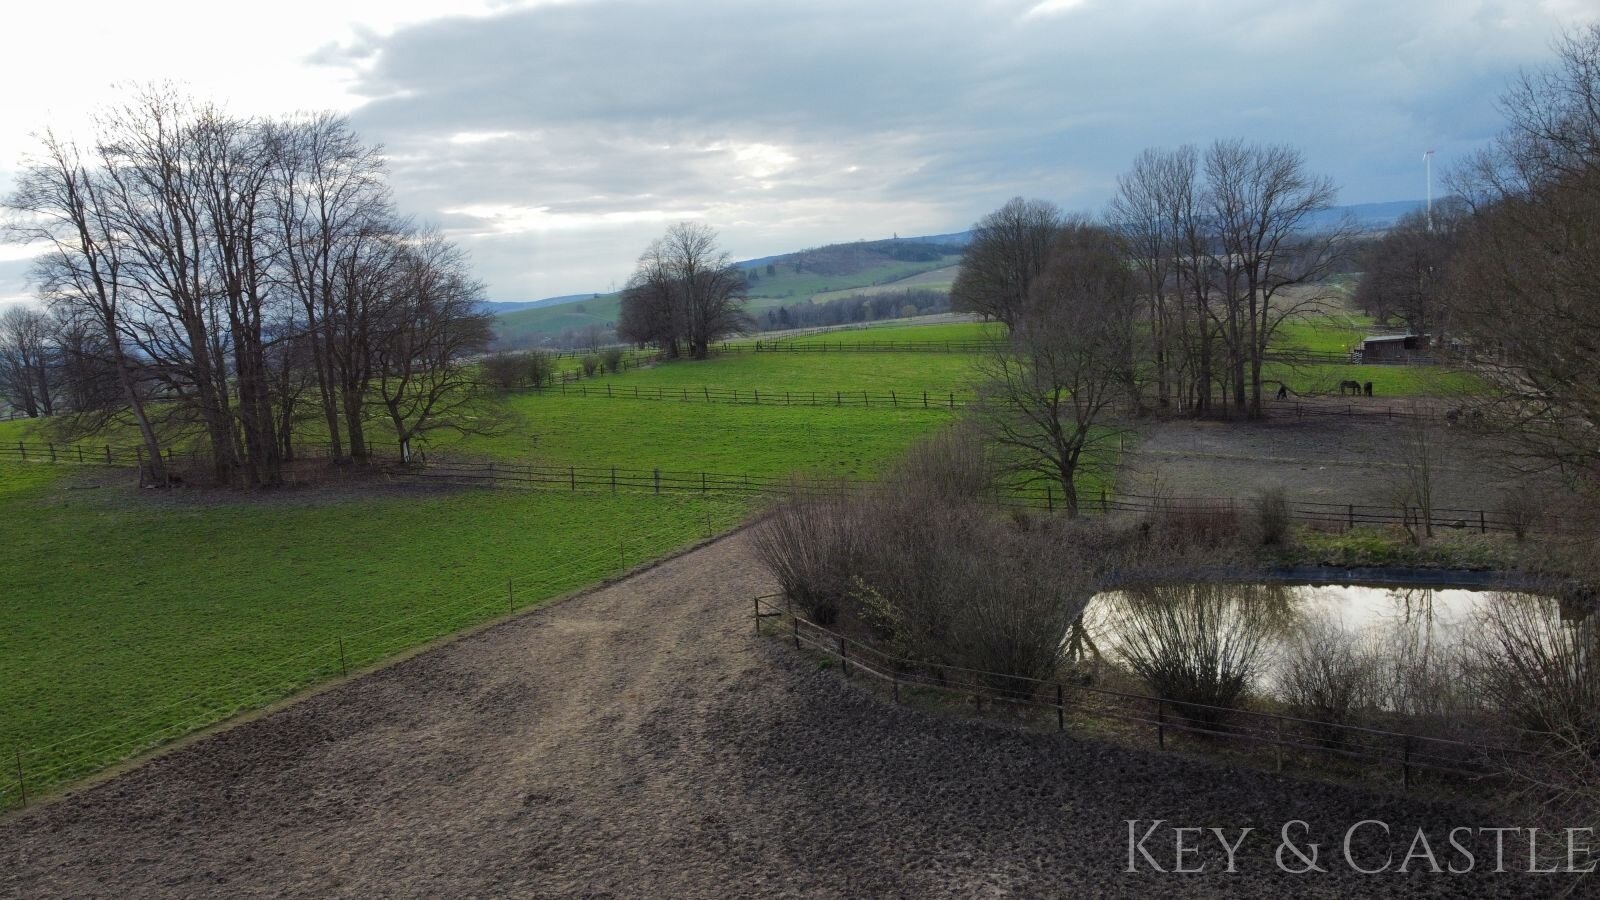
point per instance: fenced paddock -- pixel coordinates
(1160, 722)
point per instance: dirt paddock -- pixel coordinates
(1328, 459)
(640, 740)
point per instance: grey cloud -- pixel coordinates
(898, 116)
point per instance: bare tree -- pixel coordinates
(1262, 206)
(1009, 250)
(64, 204)
(1405, 273)
(428, 329)
(1048, 395)
(1525, 290)
(27, 361)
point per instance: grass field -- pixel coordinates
(130, 620)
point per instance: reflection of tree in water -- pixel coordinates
(1080, 645)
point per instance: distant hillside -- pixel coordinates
(784, 279)
(834, 271)
(1367, 216)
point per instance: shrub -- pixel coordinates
(591, 364)
(1540, 671)
(538, 366)
(1198, 644)
(812, 547)
(1195, 523)
(1521, 512)
(1273, 519)
(1328, 674)
(611, 358)
(505, 371)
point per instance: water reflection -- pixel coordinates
(1396, 649)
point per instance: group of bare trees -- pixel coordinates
(684, 295)
(1229, 245)
(244, 282)
(1524, 282)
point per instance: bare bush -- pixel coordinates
(505, 371)
(1521, 512)
(1201, 646)
(813, 548)
(1328, 673)
(1538, 665)
(1196, 523)
(591, 364)
(611, 358)
(1274, 520)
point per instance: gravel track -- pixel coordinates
(639, 740)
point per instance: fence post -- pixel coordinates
(1161, 723)
(108, 454)
(572, 476)
(1350, 517)
(1061, 710)
(795, 620)
(893, 400)
(1103, 506)
(707, 392)
(924, 399)
(23, 449)
(80, 453)
(658, 480)
(1483, 523)
(844, 659)
(952, 399)
(1277, 748)
(22, 783)
(758, 615)
(838, 398)
(1049, 497)
(343, 670)
(613, 479)
(511, 602)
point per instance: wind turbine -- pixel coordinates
(1427, 165)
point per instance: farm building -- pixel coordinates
(1393, 347)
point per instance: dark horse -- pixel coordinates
(1350, 387)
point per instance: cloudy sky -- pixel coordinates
(554, 139)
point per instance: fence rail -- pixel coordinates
(1165, 718)
(952, 399)
(1047, 497)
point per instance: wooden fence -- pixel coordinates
(1287, 738)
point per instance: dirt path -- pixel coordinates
(641, 741)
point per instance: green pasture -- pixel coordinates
(129, 620)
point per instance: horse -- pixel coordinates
(1350, 387)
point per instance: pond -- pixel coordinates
(1411, 646)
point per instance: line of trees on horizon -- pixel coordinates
(228, 279)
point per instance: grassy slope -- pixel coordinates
(786, 287)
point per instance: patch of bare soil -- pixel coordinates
(1326, 459)
(642, 741)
